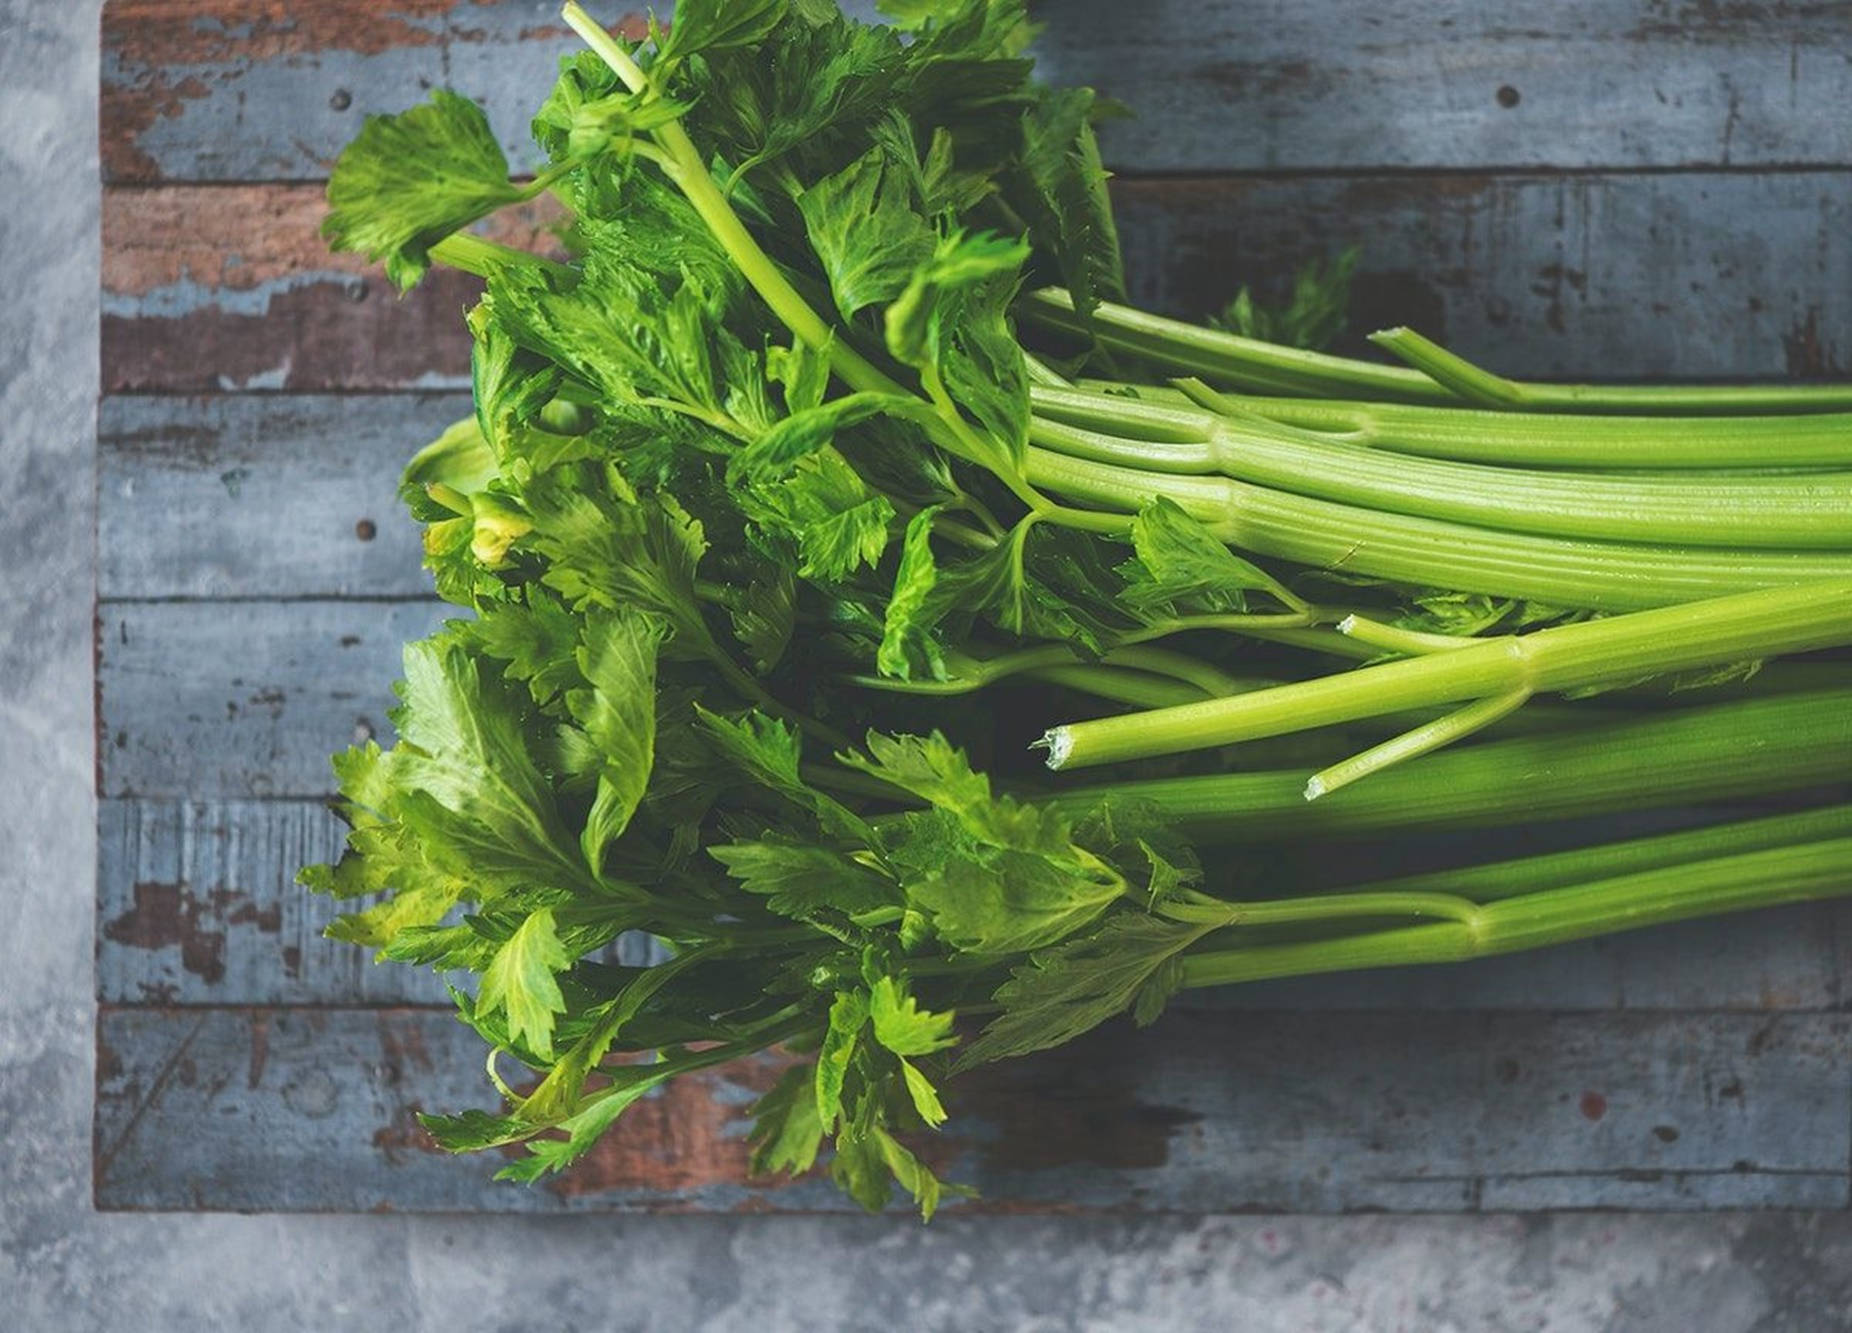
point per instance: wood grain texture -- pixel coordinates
(244, 700)
(241, 90)
(228, 288)
(197, 905)
(1634, 277)
(1691, 276)
(1239, 85)
(313, 1110)
(261, 495)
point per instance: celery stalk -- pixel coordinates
(1576, 656)
(1690, 756)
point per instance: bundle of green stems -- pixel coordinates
(800, 520)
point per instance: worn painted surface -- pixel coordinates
(247, 699)
(232, 287)
(318, 1112)
(1690, 275)
(197, 905)
(1274, 84)
(261, 495)
(228, 90)
(312, 1109)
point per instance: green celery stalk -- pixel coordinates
(1184, 348)
(1764, 878)
(1140, 689)
(1690, 756)
(1539, 439)
(1404, 548)
(1493, 881)
(1805, 444)
(1644, 445)
(1592, 653)
(1475, 384)
(1160, 394)
(1804, 513)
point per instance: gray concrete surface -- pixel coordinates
(64, 1267)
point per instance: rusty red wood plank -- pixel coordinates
(1590, 276)
(261, 90)
(312, 1110)
(192, 71)
(225, 288)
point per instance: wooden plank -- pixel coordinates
(197, 905)
(1240, 85)
(312, 1110)
(196, 90)
(204, 700)
(235, 90)
(1599, 276)
(1699, 276)
(232, 287)
(261, 495)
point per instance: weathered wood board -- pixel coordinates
(1699, 275)
(233, 91)
(260, 495)
(245, 699)
(1555, 274)
(1599, 188)
(229, 288)
(197, 905)
(312, 1109)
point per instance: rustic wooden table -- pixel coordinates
(1588, 188)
